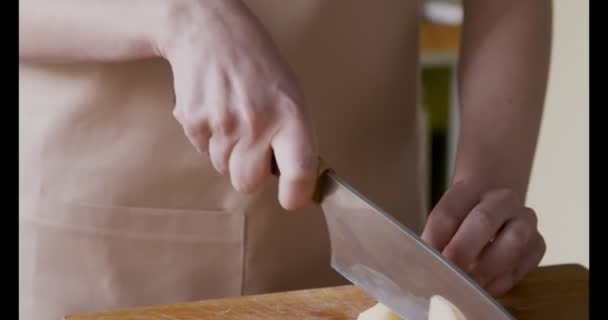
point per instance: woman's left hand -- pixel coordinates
(490, 234)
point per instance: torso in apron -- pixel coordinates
(117, 209)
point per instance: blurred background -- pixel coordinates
(559, 190)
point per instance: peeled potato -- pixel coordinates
(442, 309)
(378, 312)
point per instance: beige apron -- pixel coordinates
(116, 209)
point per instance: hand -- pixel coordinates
(488, 233)
(237, 99)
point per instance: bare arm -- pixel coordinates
(236, 98)
(65, 31)
(503, 73)
(481, 222)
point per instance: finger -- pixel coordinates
(478, 228)
(197, 131)
(296, 157)
(503, 254)
(446, 217)
(531, 260)
(220, 148)
(249, 165)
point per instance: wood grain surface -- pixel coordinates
(554, 292)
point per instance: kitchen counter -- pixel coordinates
(553, 292)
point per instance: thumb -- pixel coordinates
(296, 156)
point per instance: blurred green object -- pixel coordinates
(436, 95)
(436, 86)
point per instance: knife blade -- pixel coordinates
(390, 262)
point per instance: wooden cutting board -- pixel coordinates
(554, 292)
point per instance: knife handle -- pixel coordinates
(322, 167)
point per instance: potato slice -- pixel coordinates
(378, 312)
(442, 309)
(439, 309)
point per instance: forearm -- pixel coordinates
(503, 73)
(64, 31)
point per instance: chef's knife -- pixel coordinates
(389, 261)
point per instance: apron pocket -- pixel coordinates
(87, 257)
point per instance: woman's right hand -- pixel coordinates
(237, 99)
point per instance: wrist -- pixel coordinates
(187, 21)
(145, 26)
(485, 182)
(172, 16)
(492, 164)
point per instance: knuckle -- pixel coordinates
(196, 128)
(485, 219)
(517, 239)
(505, 194)
(188, 119)
(185, 113)
(531, 216)
(290, 105)
(444, 220)
(224, 122)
